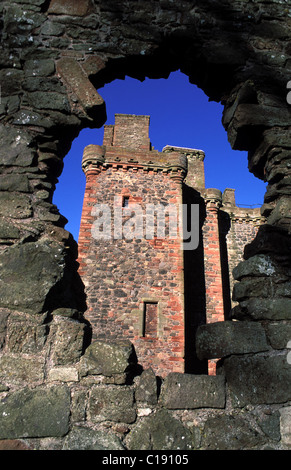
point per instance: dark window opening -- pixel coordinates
(125, 201)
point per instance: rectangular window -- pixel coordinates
(125, 201)
(150, 319)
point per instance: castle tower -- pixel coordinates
(142, 281)
(134, 281)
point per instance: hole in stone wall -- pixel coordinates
(181, 115)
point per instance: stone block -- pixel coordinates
(272, 138)
(278, 333)
(15, 369)
(258, 265)
(49, 101)
(31, 270)
(67, 337)
(147, 388)
(25, 117)
(40, 412)
(113, 403)
(14, 205)
(160, 431)
(258, 379)
(51, 28)
(107, 358)
(93, 65)
(81, 438)
(72, 73)
(10, 81)
(27, 20)
(217, 340)
(13, 444)
(285, 425)
(4, 315)
(263, 309)
(281, 211)
(8, 230)
(230, 432)
(271, 239)
(14, 182)
(63, 374)
(26, 334)
(39, 67)
(250, 287)
(186, 391)
(248, 117)
(70, 7)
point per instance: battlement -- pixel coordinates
(126, 145)
(188, 152)
(103, 156)
(129, 131)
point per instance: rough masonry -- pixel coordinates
(54, 56)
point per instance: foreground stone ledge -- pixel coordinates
(216, 340)
(186, 391)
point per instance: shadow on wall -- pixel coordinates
(195, 300)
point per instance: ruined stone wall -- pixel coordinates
(244, 226)
(54, 54)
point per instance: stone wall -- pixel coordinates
(103, 402)
(54, 54)
(239, 227)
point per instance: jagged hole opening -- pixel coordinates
(180, 115)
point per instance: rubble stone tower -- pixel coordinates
(148, 289)
(135, 288)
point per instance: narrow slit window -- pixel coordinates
(150, 319)
(125, 201)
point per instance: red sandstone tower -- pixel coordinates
(141, 285)
(135, 287)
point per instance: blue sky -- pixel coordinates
(181, 115)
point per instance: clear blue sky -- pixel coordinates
(181, 115)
